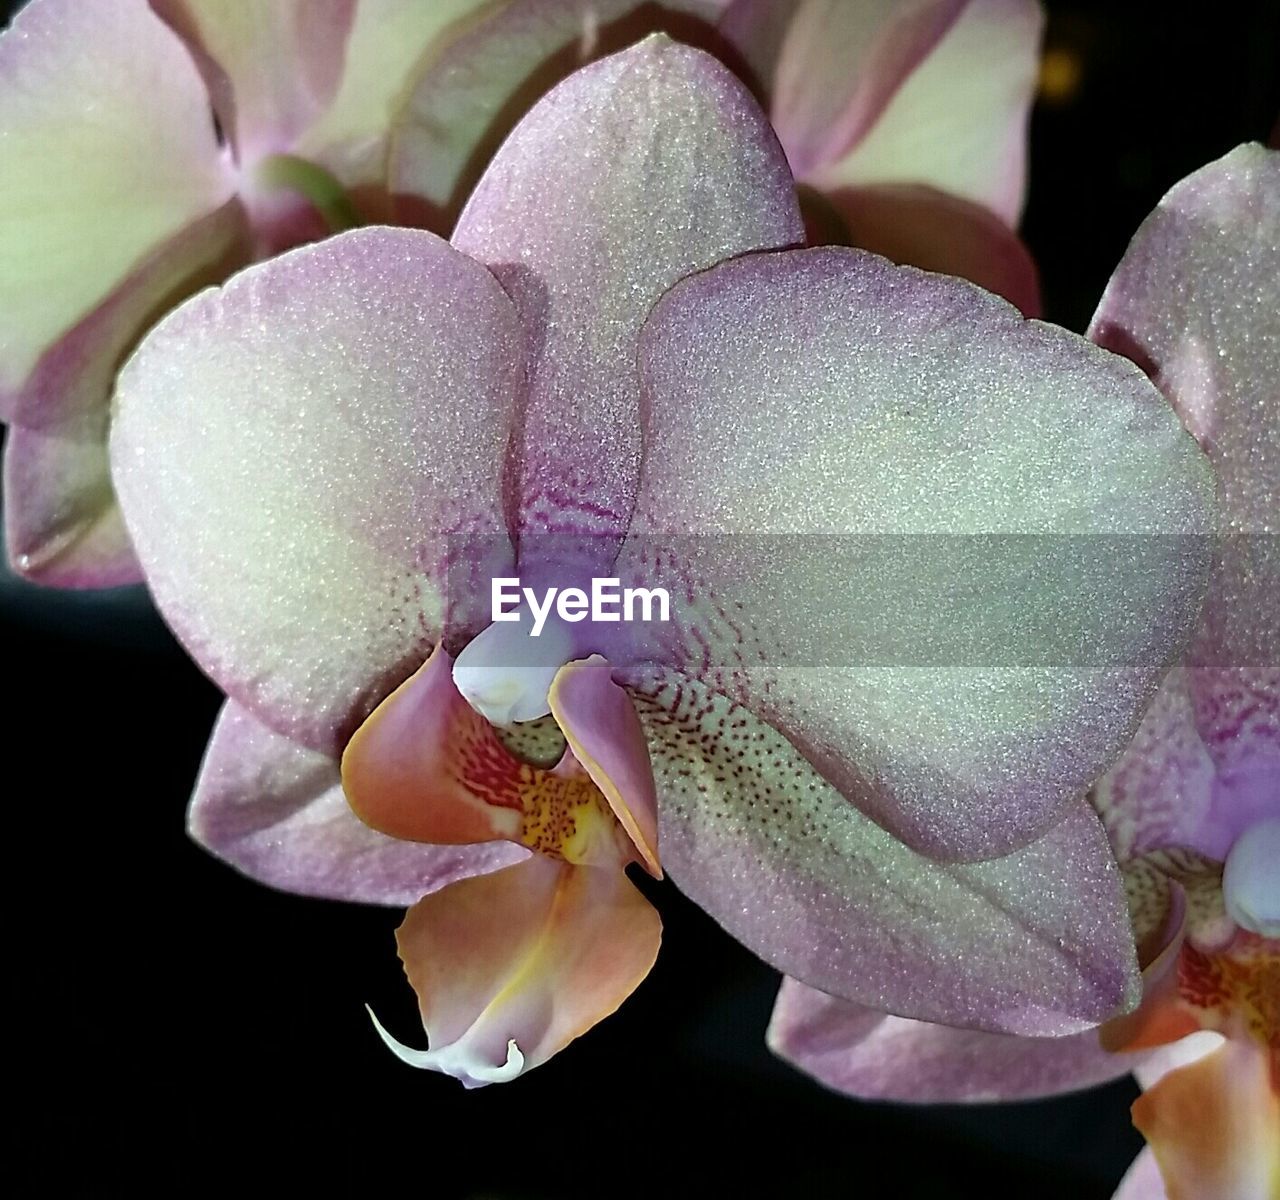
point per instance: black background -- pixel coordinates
(176, 1028)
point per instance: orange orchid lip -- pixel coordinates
(425, 766)
(510, 966)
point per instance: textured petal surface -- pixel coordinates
(292, 454)
(275, 810)
(390, 42)
(903, 521)
(511, 967)
(1193, 301)
(922, 227)
(958, 122)
(62, 525)
(1214, 1126)
(271, 67)
(1035, 943)
(840, 63)
(110, 153)
(673, 168)
(865, 1053)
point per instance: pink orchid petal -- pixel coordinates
(1142, 1181)
(62, 525)
(869, 1054)
(600, 724)
(511, 967)
(1175, 306)
(1160, 792)
(294, 453)
(492, 67)
(1036, 943)
(427, 767)
(657, 130)
(1174, 303)
(1212, 1125)
(825, 434)
(840, 64)
(112, 170)
(389, 44)
(756, 30)
(925, 228)
(1167, 790)
(271, 68)
(958, 121)
(275, 811)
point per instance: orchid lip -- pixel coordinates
(505, 673)
(1251, 879)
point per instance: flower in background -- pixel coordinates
(122, 196)
(906, 122)
(908, 119)
(324, 464)
(1194, 302)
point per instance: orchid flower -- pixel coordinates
(121, 196)
(1193, 805)
(618, 368)
(906, 122)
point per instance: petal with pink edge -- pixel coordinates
(63, 527)
(1213, 1125)
(600, 724)
(937, 546)
(657, 130)
(958, 121)
(1176, 306)
(275, 811)
(869, 1054)
(840, 63)
(1035, 943)
(511, 967)
(389, 43)
(110, 155)
(488, 70)
(1193, 302)
(922, 227)
(300, 456)
(756, 30)
(270, 68)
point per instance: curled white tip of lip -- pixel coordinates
(505, 673)
(1251, 879)
(454, 1059)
